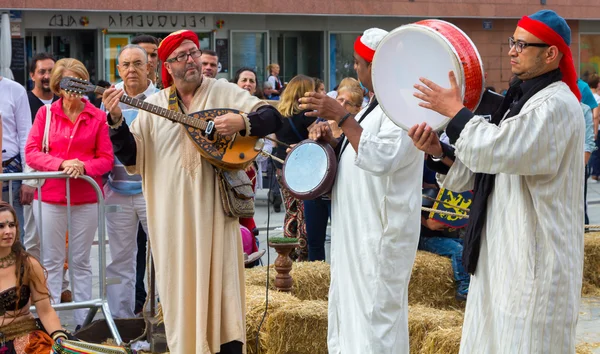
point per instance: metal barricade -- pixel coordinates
(95, 304)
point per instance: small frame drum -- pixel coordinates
(309, 169)
(429, 49)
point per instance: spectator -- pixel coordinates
(79, 145)
(210, 63)
(16, 123)
(293, 130)
(318, 211)
(273, 70)
(150, 45)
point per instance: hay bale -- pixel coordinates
(442, 341)
(591, 259)
(298, 329)
(589, 289)
(255, 309)
(311, 279)
(423, 320)
(432, 282)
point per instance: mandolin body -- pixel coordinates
(227, 152)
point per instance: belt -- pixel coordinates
(7, 162)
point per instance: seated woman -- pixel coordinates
(24, 282)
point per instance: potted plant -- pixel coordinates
(283, 263)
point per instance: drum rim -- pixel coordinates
(478, 58)
(455, 60)
(331, 166)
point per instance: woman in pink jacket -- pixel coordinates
(78, 144)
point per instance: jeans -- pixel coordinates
(316, 214)
(16, 203)
(453, 248)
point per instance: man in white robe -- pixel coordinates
(197, 248)
(375, 219)
(525, 233)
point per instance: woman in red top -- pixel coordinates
(78, 144)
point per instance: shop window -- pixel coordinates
(589, 55)
(341, 57)
(114, 42)
(249, 49)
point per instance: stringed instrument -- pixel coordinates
(227, 152)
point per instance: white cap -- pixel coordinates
(372, 37)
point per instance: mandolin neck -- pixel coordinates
(159, 111)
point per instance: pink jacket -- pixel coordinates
(87, 140)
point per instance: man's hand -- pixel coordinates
(321, 105)
(230, 124)
(111, 98)
(26, 194)
(321, 131)
(434, 225)
(447, 102)
(425, 139)
(74, 168)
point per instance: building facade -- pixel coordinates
(316, 39)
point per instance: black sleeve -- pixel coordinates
(439, 166)
(123, 143)
(264, 121)
(457, 124)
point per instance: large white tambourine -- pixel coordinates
(409, 53)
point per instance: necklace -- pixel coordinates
(7, 261)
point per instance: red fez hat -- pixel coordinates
(168, 45)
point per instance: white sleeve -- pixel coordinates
(530, 143)
(387, 151)
(23, 119)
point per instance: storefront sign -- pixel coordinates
(117, 21)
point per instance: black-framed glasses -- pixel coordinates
(520, 45)
(195, 54)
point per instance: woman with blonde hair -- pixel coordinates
(276, 84)
(293, 130)
(78, 145)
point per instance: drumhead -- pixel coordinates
(306, 170)
(403, 56)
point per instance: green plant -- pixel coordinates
(283, 240)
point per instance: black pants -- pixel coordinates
(140, 270)
(234, 347)
(587, 175)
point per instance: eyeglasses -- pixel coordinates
(44, 72)
(136, 65)
(520, 45)
(344, 102)
(195, 54)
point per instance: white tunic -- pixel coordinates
(375, 231)
(524, 296)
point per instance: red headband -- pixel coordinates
(549, 36)
(361, 49)
(168, 45)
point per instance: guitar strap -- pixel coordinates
(174, 100)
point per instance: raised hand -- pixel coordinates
(447, 102)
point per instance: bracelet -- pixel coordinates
(59, 334)
(438, 158)
(341, 121)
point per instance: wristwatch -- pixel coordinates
(438, 158)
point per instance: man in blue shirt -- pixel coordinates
(125, 190)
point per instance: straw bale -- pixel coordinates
(442, 341)
(432, 282)
(298, 329)
(586, 348)
(311, 279)
(255, 309)
(591, 262)
(589, 290)
(423, 320)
